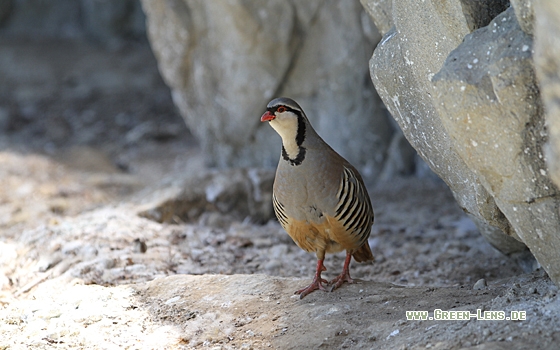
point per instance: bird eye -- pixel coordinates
(281, 109)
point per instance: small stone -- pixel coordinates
(139, 246)
(480, 284)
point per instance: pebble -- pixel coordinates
(139, 246)
(480, 284)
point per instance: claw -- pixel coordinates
(317, 282)
(344, 276)
(340, 279)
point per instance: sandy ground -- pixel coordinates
(90, 139)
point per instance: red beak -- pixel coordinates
(267, 116)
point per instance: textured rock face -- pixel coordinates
(547, 64)
(525, 13)
(499, 123)
(225, 60)
(380, 12)
(463, 90)
(401, 70)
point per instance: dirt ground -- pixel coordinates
(89, 139)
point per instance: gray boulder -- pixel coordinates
(547, 66)
(380, 11)
(225, 60)
(463, 90)
(490, 105)
(525, 13)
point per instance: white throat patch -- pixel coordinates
(287, 129)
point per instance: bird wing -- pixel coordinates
(353, 211)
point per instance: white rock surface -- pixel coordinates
(224, 61)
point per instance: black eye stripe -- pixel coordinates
(274, 109)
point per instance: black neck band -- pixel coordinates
(294, 161)
(300, 137)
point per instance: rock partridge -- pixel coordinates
(318, 197)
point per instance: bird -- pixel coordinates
(318, 197)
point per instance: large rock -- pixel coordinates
(225, 60)
(498, 121)
(467, 100)
(380, 12)
(547, 66)
(401, 69)
(525, 13)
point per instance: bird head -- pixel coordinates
(287, 118)
(282, 108)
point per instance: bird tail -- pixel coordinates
(363, 253)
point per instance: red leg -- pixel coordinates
(344, 276)
(316, 284)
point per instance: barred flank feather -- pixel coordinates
(354, 208)
(279, 211)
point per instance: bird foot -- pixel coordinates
(339, 280)
(316, 284)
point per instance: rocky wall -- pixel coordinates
(460, 81)
(547, 66)
(225, 60)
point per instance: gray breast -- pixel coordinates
(308, 191)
